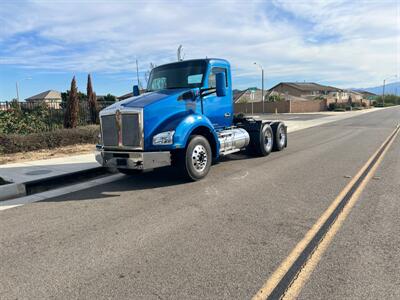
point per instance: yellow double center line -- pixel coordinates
(287, 281)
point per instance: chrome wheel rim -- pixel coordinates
(282, 136)
(268, 140)
(199, 158)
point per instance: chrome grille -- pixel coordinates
(130, 134)
(130, 130)
(109, 130)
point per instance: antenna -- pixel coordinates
(179, 53)
(137, 72)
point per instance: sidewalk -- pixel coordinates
(20, 174)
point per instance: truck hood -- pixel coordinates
(148, 98)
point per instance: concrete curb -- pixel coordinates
(16, 190)
(12, 190)
(4, 205)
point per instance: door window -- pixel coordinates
(211, 78)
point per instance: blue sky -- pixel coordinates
(342, 43)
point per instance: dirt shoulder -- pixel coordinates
(46, 153)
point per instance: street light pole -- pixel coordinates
(16, 87)
(262, 84)
(262, 88)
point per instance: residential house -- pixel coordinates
(249, 95)
(304, 90)
(367, 95)
(348, 96)
(51, 98)
(297, 91)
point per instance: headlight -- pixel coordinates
(164, 138)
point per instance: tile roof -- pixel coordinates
(47, 95)
(309, 86)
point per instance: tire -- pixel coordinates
(262, 141)
(280, 136)
(129, 171)
(197, 158)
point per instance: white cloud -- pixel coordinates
(350, 43)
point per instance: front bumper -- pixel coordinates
(133, 160)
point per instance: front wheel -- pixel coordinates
(198, 158)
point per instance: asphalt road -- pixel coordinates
(157, 237)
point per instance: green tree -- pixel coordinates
(92, 100)
(65, 96)
(275, 98)
(16, 106)
(390, 99)
(109, 98)
(72, 107)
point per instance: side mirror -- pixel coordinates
(220, 84)
(136, 91)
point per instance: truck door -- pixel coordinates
(219, 109)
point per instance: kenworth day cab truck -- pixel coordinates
(185, 119)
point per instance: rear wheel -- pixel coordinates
(280, 136)
(197, 158)
(262, 141)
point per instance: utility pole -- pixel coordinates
(262, 84)
(383, 93)
(383, 88)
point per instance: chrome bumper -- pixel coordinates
(133, 160)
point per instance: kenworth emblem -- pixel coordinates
(118, 122)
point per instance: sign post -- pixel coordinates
(252, 100)
(252, 93)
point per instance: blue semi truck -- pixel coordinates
(184, 119)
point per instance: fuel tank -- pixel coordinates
(233, 140)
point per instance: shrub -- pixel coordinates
(338, 106)
(25, 121)
(332, 106)
(11, 143)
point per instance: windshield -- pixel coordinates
(188, 74)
